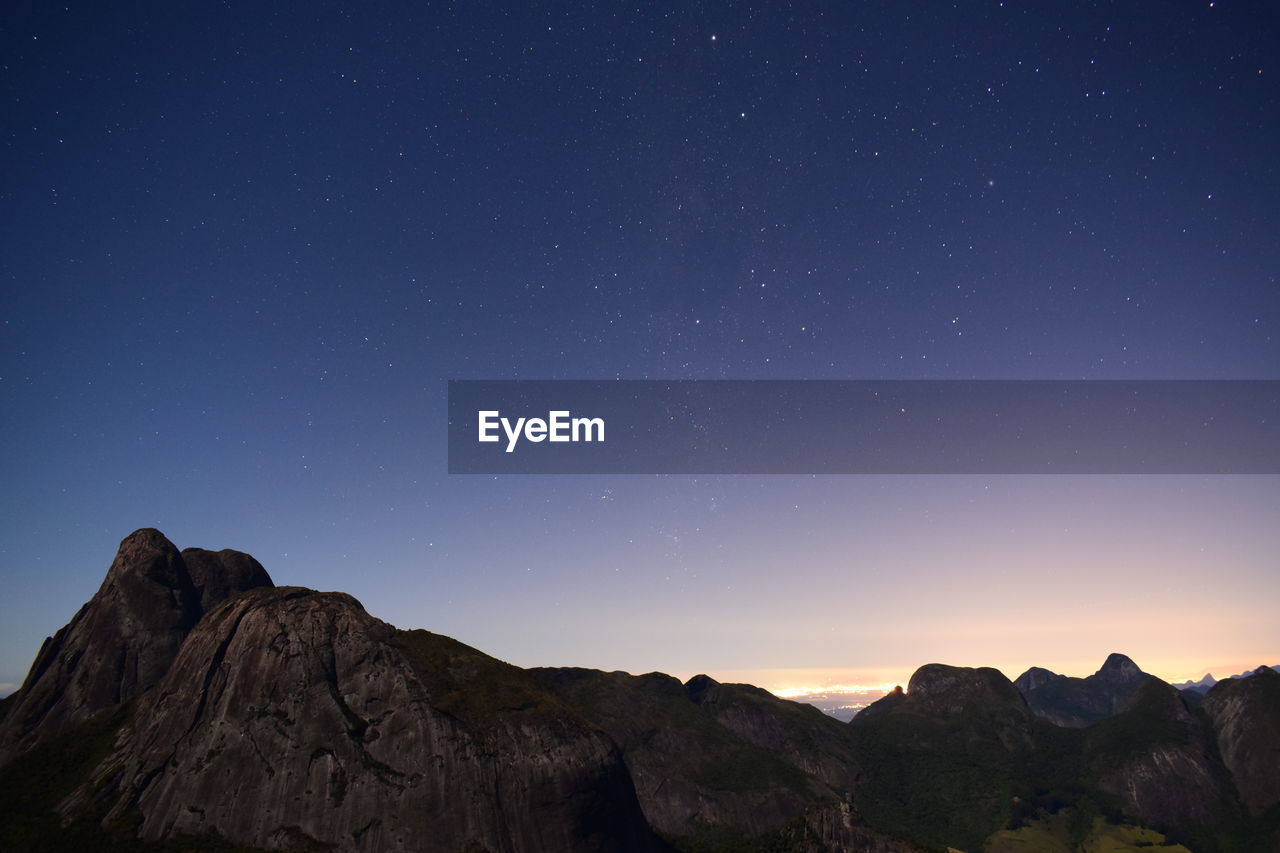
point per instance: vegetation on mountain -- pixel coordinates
(246, 716)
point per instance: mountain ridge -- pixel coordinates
(230, 711)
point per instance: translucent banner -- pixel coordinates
(864, 427)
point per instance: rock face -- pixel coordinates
(1160, 760)
(1035, 677)
(691, 773)
(120, 643)
(1246, 717)
(1078, 702)
(946, 691)
(293, 718)
(217, 575)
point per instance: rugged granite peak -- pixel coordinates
(292, 718)
(124, 638)
(1120, 669)
(1035, 677)
(939, 691)
(1246, 718)
(1160, 760)
(1079, 702)
(1201, 686)
(937, 688)
(118, 644)
(218, 575)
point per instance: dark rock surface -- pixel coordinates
(1246, 718)
(1161, 761)
(119, 643)
(293, 718)
(122, 640)
(1035, 677)
(949, 690)
(218, 575)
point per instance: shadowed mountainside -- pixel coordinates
(192, 705)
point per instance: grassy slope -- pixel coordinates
(1053, 834)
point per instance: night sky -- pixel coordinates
(246, 244)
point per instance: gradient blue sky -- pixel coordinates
(245, 246)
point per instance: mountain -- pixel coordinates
(1078, 702)
(945, 760)
(193, 705)
(1246, 718)
(124, 639)
(1205, 684)
(727, 766)
(284, 718)
(1201, 686)
(1035, 677)
(1160, 760)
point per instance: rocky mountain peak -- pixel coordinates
(1120, 669)
(123, 640)
(950, 690)
(286, 690)
(217, 575)
(1078, 702)
(145, 555)
(1035, 677)
(699, 686)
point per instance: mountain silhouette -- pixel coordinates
(193, 705)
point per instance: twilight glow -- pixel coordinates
(247, 250)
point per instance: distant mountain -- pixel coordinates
(1201, 686)
(193, 705)
(1205, 684)
(1035, 677)
(1078, 702)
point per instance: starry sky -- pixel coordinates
(245, 246)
